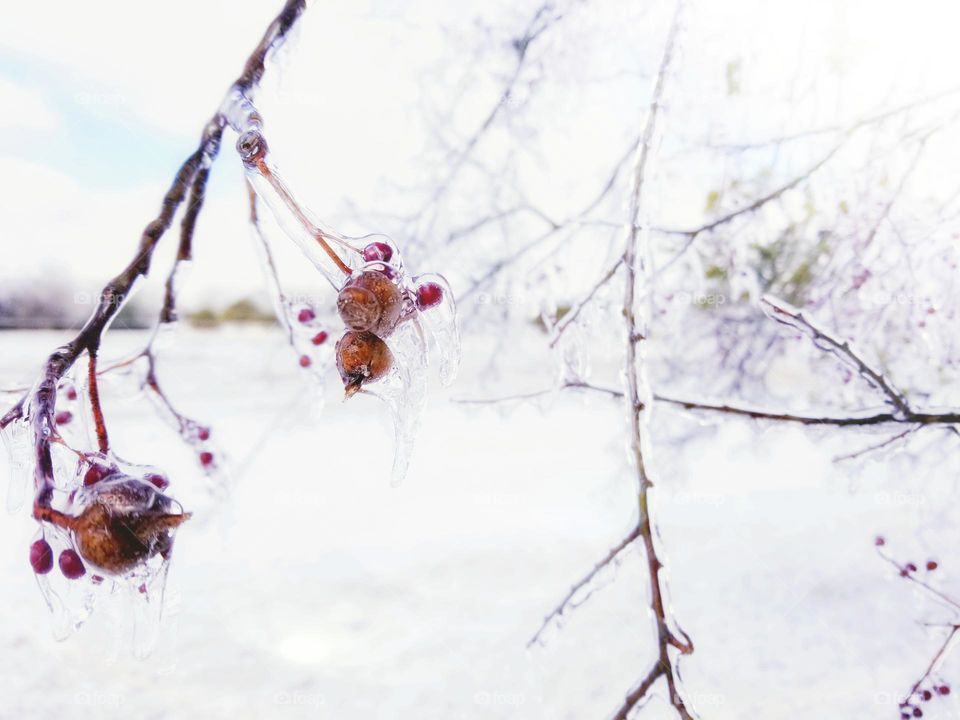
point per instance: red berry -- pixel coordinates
(320, 338)
(143, 588)
(71, 565)
(157, 480)
(71, 393)
(206, 458)
(306, 315)
(203, 433)
(910, 567)
(305, 361)
(63, 417)
(428, 295)
(904, 716)
(41, 557)
(880, 541)
(944, 689)
(377, 251)
(926, 695)
(917, 712)
(932, 565)
(95, 474)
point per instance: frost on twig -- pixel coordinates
(929, 684)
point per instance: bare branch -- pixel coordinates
(792, 317)
(567, 600)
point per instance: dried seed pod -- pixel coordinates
(125, 522)
(362, 358)
(371, 301)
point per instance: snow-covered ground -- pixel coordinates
(318, 591)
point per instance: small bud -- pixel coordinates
(63, 417)
(320, 338)
(71, 393)
(932, 565)
(879, 541)
(203, 433)
(206, 458)
(41, 557)
(305, 361)
(306, 315)
(428, 295)
(377, 251)
(910, 567)
(71, 565)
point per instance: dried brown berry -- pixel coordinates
(126, 523)
(362, 358)
(370, 301)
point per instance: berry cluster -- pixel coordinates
(372, 303)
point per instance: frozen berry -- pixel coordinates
(305, 361)
(95, 474)
(320, 338)
(910, 567)
(157, 480)
(41, 557)
(932, 565)
(370, 301)
(71, 393)
(428, 295)
(306, 315)
(377, 251)
(206, 458)
(362, 358)
(63, 417)
(127, 523)
(917, 712)
(879, 541)
(71, 565)
(944, 689)
(925, 695)
(203, 433)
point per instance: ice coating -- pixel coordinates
(362, 270)
(440, 322)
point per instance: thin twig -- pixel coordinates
(583, 582)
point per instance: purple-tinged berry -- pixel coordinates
(41, 557)
(71, 565)
(428, 295)
(377, 251)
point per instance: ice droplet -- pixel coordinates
(16, 441)
(404, 391)
(440, 321)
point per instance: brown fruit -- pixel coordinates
(126, 523)
(362, 358)
(371, 301)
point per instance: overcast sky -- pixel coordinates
(102, 100)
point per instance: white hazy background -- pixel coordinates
(320, 592)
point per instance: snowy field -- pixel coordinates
(318, 591)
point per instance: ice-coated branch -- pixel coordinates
(40, 404)
(924, 689)
(635, 260)
(568, 599)
(841, 349)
